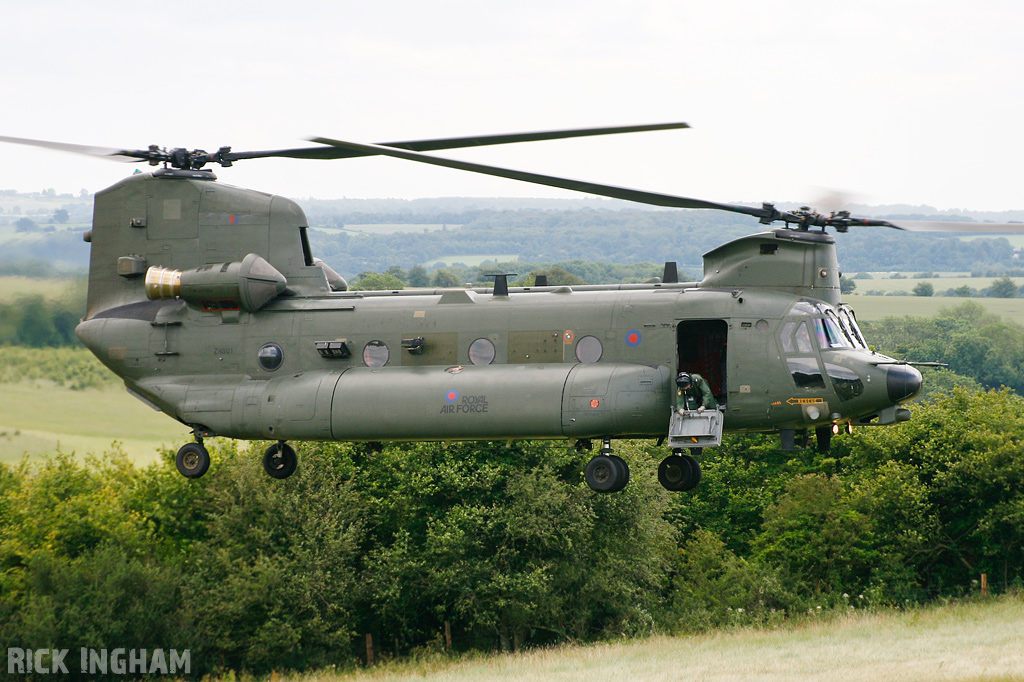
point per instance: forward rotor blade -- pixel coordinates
(640, 196)
(121, 155)
(328, 153)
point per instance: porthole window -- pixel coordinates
(376, 354)
(481, 352)
(589, 349)
(270, 356)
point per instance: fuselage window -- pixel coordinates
(481, 352)
(846, 382)
(270, 356)
(376, 354)
(589, 349)
(805, 372)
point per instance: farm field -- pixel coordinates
(390, 228)
(878, 307)
(38, 418)
(17, 286)
(471, 260)
(883, 283)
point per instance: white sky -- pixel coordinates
(892, 101)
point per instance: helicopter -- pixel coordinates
(206, 299)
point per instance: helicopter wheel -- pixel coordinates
(192, 460)
(280, 460)
(679, 473)
(607, 474)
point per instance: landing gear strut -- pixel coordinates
(193, 459)
(607, 473)
(280, 460)
(679, 472)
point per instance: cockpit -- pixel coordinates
(811, 327)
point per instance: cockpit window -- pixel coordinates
(804, 307)
(830, 334)
(805, 372)
(795, 337)
(846, 382)
(849, 321)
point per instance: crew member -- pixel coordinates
(693, 393)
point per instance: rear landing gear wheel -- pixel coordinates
(679, 473)
(192, 460)
(280, 460)
(607, 474)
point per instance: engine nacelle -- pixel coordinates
(248, 284)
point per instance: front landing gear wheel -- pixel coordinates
(607, 474)
(679, 473)
(193, 460)
(280, 460)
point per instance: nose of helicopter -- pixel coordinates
(903, 382)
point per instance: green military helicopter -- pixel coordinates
(208, 301)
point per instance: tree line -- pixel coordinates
(621, 236)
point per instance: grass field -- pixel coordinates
(39, 418)
(16, 286)
(967, 642)
(887, 285)
(471, 260)
(877, 307)
(389, 228)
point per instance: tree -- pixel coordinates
(1004, 287)
(559, 277)
(924, 289)
(418, 277)
(378, 281)
(445, 279)
(846, 285)
(60, 216)
(25, 225)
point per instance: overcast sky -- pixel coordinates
(889, 101)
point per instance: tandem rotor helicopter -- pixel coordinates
(208, 302)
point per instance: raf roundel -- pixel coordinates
(451, 396)
(633, 338)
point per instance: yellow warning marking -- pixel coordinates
(805, 401)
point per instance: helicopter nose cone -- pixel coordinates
(903, 382)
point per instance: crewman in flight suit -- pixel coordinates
(693, 393)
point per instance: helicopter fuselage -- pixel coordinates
(246, 339)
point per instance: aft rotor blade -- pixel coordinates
(640, 196)
(121, 155)
(328, 153)
(943, 226)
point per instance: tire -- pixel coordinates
(624, 468)
(675, 472)
(695, 474)
(605, 475)
(280, 461)
(192, 460)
